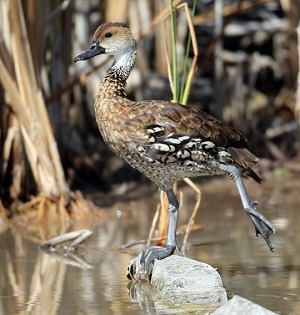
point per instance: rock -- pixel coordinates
(182, 285)
(241, 306)
(183, 280)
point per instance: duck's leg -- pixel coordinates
(261, 224)
(151, 253)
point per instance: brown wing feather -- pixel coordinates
(182, 120)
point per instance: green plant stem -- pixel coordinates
(174, 53)
(186, 82)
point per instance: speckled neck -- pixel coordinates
(114, 82)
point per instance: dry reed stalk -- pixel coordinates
(193, 215)
(25, 99)
(3, 219)
(292, 15)
(29, 132)
(111, 14)
(164, 215)
(161, 38)
(159, 17)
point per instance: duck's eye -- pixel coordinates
(108, 34)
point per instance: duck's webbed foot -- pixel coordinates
(140, 267)
(151, 253)
(261, 224)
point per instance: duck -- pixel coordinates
(166, 141)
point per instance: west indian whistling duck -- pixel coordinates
(166, 141)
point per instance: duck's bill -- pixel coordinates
(93, 51)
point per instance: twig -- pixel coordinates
(232, 10)
(193, 215)
(279, 130)
(80, 236)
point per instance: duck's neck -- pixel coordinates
(114, 82)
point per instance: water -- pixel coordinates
(94, 282)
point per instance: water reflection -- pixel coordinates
(33, 282)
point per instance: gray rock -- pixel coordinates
(240, 306)
(181, 285)
(183, 280)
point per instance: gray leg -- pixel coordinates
(261, 224)
(173, 217)
(156, 252)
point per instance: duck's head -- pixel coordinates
(110, 38)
